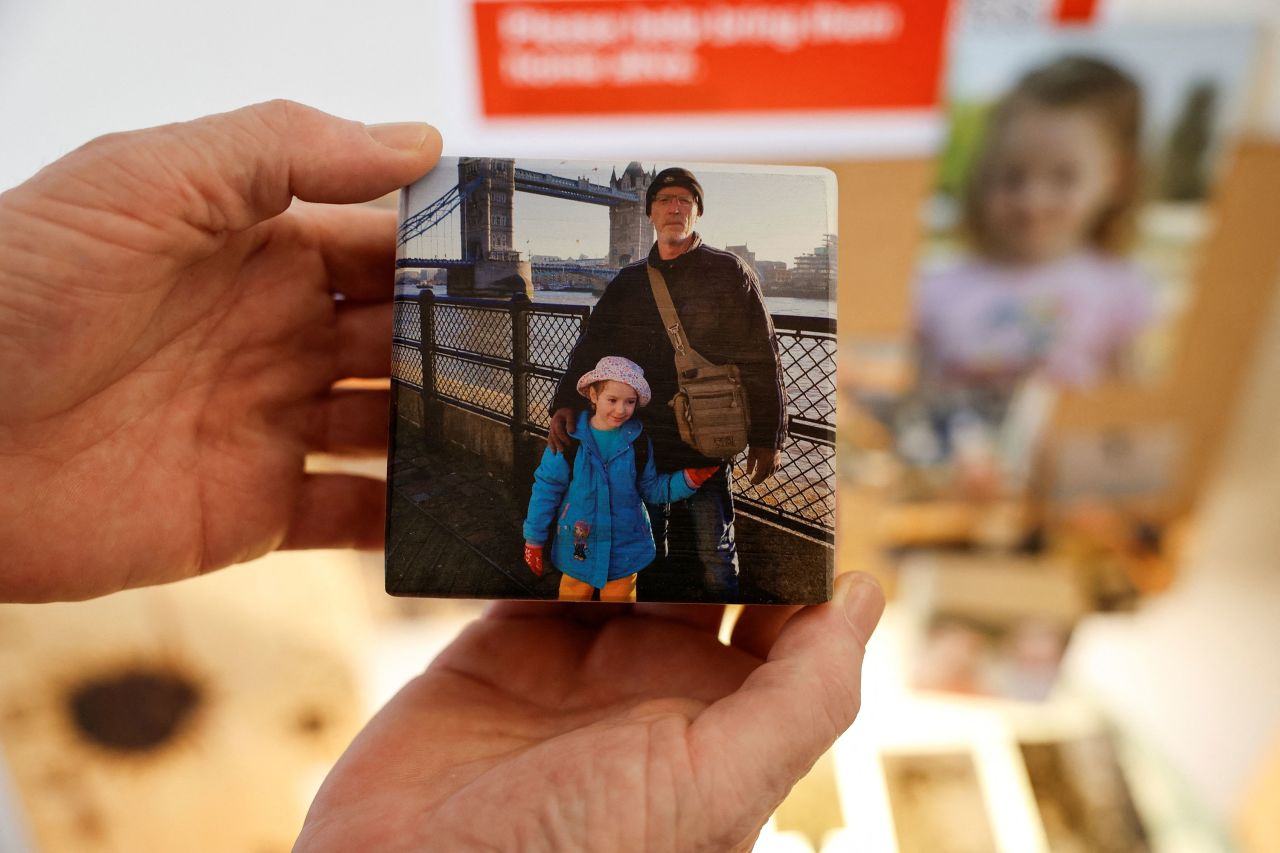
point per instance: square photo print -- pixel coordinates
(614, 381)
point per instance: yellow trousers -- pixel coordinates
(622, 589)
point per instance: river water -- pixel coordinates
(776, 304)
(789, 305)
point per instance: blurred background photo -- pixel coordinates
(1060, 248)
(1168, 103)
(1056, 270)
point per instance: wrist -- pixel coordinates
(695, 477)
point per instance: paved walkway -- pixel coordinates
(455, 532)
(455, 529)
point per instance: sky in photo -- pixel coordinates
(779, 212)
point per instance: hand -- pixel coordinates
(558, 434)
(761, 463)
(169, 342)
(533, 558)
(609, 727)
(695, 477)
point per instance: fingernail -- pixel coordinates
(862, 601)
(401, 136)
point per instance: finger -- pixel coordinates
(227, 172)
(702, 617)
(559, 437)
(357, 246)
(758, 627)
(353, 422)
(338, 511)
(792, 708)
(584, 613)
(364, 340)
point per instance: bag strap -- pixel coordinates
(642, 451)
(643, 448)
(687, 358)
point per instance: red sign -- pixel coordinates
(1075, 11)
(620, 57)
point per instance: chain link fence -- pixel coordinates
(504, 360)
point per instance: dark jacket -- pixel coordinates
(725, 319)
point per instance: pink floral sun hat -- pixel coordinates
(619, 369)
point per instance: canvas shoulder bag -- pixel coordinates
(711, 405)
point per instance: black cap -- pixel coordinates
(673, 177)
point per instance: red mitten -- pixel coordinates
(533, 556)
(695, 477)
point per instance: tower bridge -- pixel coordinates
(579, 189)
(469, 229)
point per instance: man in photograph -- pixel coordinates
(722, 312)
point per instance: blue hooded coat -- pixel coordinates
(601, 527)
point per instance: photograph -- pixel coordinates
(1033, 393)
(634, 403)
(1076, 174)
(937, 803)
(1059, 242)
(770, 426)
(987, 624)
(1082, 796)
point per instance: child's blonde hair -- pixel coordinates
(1072, 82)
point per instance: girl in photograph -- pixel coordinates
(1046, 298)
(589, 502)
(1048, 214)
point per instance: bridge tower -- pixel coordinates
(487, 232)
(630, 231)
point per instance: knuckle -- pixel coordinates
(841, 704)
(291, 119)
(279, 114)
(107, 142)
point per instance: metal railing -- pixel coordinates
(800, 496)
(503, 359)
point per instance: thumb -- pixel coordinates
(227, 172)
(790, 710)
